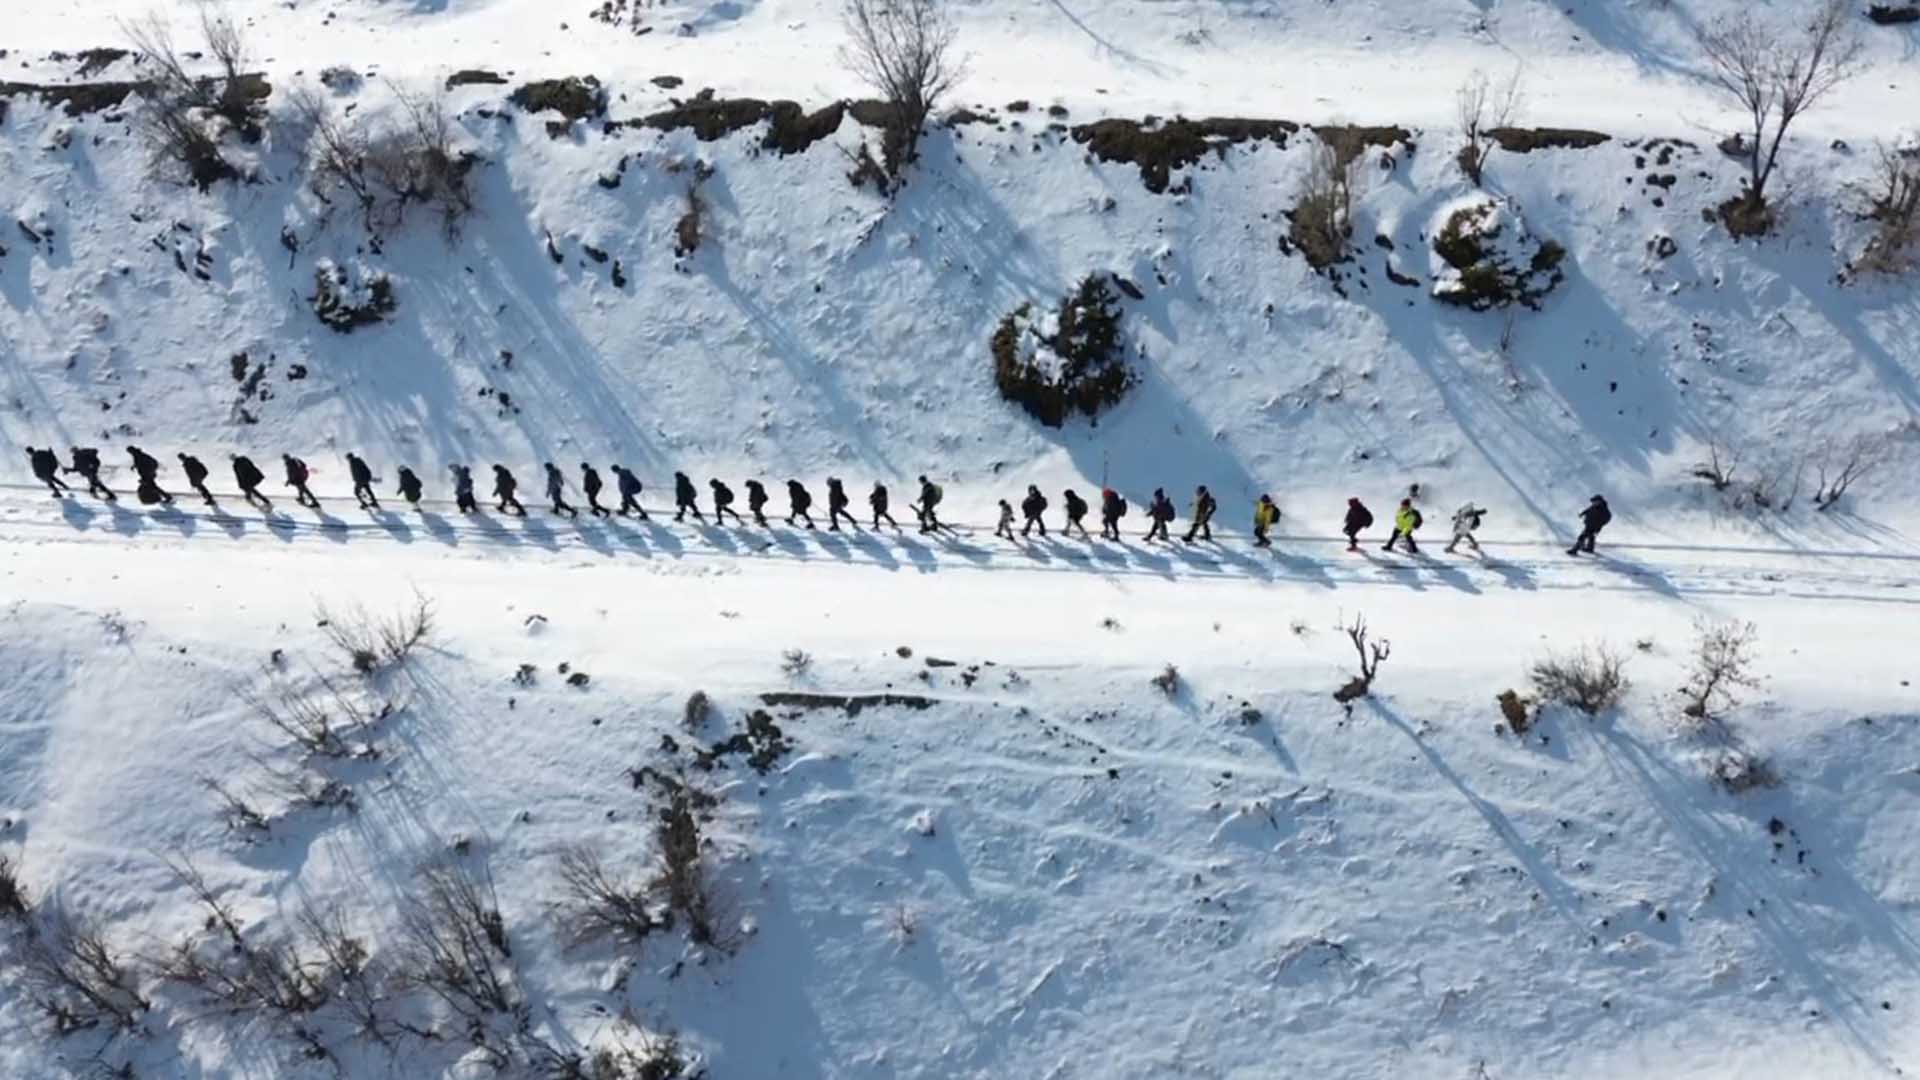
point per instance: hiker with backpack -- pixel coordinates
(1112, 508)
(1159, 513)
(930, 496)
(1405, 521)
(1359, 519)
(1032, 507)
(1076, 513)
(1465, 521)
(1203, 508)
(1594, 518)
(1265, 513)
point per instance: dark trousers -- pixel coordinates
(1584, 542)
(200, 489)
(1397, 537)
(1203, 528)
(687, 507)
(365, 494)
(1033, 520)
(593, 504)
(54, 483)
(560, 505)
(96, 488)
(631, 505)
(302, 496)
(882, 515)
(1158, 528)
(833, 519)
(510, 505)
(721, 510)
(463, 501)
(254, 498)
(1074, 522)
(1109, 528)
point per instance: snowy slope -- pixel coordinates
(1101, 880)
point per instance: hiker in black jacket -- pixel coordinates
(145, 467)
(86, 462)
(799, 501)
(248, 477)
(1076, 513)
(362, 482)
(556, 491)
(463, 499)
(837, 503)
(196, 476)
(1203, 508)
(46, 469)
(410, 487)
(757, 502)
(685, 499)
(878, 500)
(1358, 519)
(1159, 512)
(1112, 509)
(591, 484)
(1594, 518)
(297, 480)
(629, 486)
(504, 485)
(1031, 508)
(723, 503)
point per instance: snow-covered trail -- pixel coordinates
(394, 533)
(643, 581)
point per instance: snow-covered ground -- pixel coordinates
(1041, 865)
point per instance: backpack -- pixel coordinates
(933, 495)
(1418, 520)
(1121, 511)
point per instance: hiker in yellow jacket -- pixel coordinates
(1264, 515)
(1405, 520)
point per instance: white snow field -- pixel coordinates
(957, 829)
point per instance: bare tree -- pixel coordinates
(385, 168)
(1373, 652)
(77, 977)
(1321, 222)
(1484, 107)
(904, 50)
(454, 947)
(600, 905)
(1775, 75)
(1722, 664)
(1837, 468)
(1895, 209)
(234, 94)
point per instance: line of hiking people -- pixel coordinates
(1113, 506)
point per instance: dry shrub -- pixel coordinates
(1372, 652)
(1894, 207)
(76, 976)
(1722, 665)
(13, 895)
(384, 167)
(1591, 679)
(599, 905)
(373, 644)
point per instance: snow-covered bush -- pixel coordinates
(1056, 363)
(1485, 257)
(1739, 771)
(1591, 680)
(348, 298)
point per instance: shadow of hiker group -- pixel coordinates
(885, 549)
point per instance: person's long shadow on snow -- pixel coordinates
(539, 533)
(494, 530)
(1303, 568)
(439, 528)
(718, 538)
(919, 555)
(663, 539)
(874, 547)
(833, 544)
(77, 514)
(234, 527)
(393, 524)
(1556, 892)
